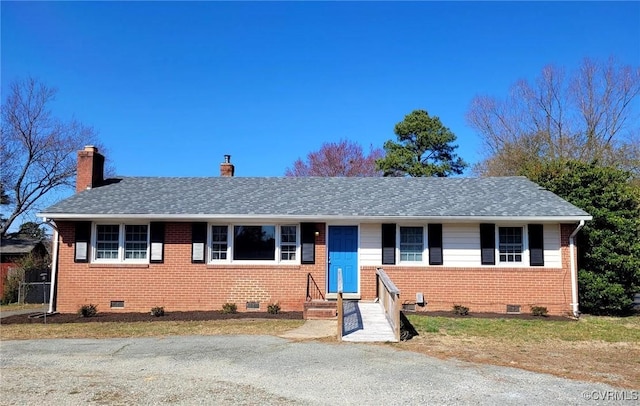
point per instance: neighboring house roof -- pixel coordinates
(317, 198)
(18, 246)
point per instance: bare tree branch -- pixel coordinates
(592, 114)
(344, 158)
(38, 150)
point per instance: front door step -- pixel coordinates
(320, 310)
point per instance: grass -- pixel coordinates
(19, 306)
(145, 329)
(598, 349)
(588, 328)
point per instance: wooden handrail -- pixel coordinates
(340, 306)
(389, 297)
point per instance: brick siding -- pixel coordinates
(177, 284)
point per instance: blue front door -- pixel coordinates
(343, 253)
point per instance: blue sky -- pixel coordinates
(172, 87)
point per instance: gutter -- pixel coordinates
(574, 271)
(54, 265)
(314, 217)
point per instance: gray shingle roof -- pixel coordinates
(316, 197)
(17, 246)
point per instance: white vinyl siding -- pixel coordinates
(370, 244)
(551, 239)
(461, 245)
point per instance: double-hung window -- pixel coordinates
(411, 244)
(510, 244)
(219, 242)
(107, 241)
(135, 241)
(288, 243)
(122, 242)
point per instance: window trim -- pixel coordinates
(295, 244)
(210, 243)
(121, 243)
(231, 240)
(514, 254)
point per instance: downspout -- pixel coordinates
(574, 271)
(54, 265)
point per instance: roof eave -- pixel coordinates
(320, 218)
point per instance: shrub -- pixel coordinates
(273, 308)
(229, 308)
(157, 311)
(461, 310)
(12, 285)
(88, 310)
(24, 267)
(540, 311)
(608, 246)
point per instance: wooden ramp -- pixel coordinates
(366, 322)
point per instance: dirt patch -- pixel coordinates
(147, 317)
(612, 363)
(615, 363)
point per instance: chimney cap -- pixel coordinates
(91, 148)
(227, 159)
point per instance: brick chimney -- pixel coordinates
(227, 168)
(90, 168)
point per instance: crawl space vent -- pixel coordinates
(514, 309)
(115, 304)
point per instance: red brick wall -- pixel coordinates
(177, 284)
(4, 272)
(482, 289)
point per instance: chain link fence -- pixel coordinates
(34, 292)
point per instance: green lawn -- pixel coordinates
(19, 306)
(587, 328)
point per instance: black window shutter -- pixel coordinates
(198, 242)
(157, 242)
(488, 244)
(83, 239)
(536, 245)
(388, 244)
(435, 244)
(308, 234)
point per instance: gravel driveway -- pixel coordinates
(261, 370)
